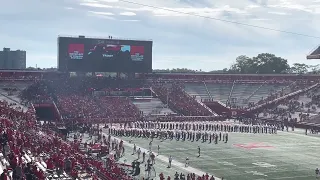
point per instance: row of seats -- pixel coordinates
(180, 100)
(242, 94)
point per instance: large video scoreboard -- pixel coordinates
(79, 54)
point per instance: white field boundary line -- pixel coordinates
(294, 177)
(166, 159)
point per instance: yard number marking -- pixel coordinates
(226, 163)
(255, 173)
(264, 164)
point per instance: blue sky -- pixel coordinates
(180, 40)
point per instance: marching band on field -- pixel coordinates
(192, 131)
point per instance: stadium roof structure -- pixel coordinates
(315, 54)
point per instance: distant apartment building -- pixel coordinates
(12, 59)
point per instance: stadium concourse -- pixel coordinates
(159, 126)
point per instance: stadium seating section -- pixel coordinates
(31, 143)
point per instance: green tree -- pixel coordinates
(314, 69)
(299, 68)
(243, 64)
(264, 63)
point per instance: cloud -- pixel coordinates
(252, 6)
(278, 13)
(90, 1)
(220, 12)
(260, 19)
(97, 5)
(109, 1)
(131, 20)
(291, 5)
(102, 13)
(198, 34)
(101, 16)
(128, 14)
(182, 12)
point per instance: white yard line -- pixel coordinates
(166, 159)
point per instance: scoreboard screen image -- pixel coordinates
(104, 55)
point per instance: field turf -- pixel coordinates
(286, 155)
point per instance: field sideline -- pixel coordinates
(286, 155)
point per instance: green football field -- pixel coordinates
(286, 155)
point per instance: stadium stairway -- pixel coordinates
(231, 91)
(57, 112)
(208, 92)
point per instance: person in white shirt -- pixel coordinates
(187, 162)
(170, 161)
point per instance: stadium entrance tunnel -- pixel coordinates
(45, 113)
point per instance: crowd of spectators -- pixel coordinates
(37, 91)
(121, 107)
(97, 109)
(32, 150)
(180, 101)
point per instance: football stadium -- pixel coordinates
(75, 123)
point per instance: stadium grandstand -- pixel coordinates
(206, 99)
(151, 126)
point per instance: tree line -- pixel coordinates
(264, 63)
